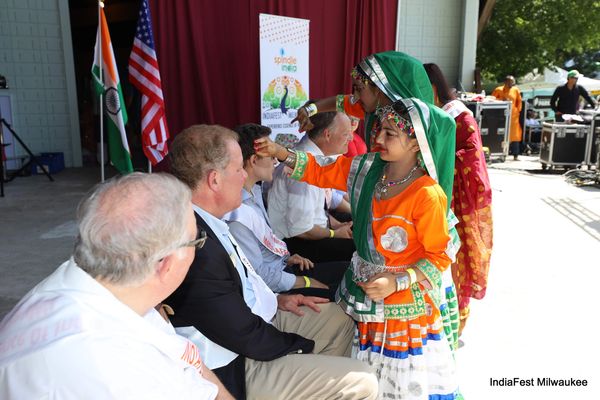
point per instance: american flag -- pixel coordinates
(145, 76)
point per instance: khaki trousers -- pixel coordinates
(328, 373)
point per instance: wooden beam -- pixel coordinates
(485, 17)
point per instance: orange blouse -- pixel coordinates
(419, 211)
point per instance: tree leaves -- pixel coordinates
(526, 34)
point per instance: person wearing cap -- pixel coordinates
(565, 99)
(509, 92)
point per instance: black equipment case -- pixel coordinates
(493, 119)
(593, 117)
(563, 145)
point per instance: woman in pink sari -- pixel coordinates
(471, 198)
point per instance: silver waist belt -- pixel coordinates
(363, 270)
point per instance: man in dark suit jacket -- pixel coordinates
(257, 343)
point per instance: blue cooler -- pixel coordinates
(54, 162)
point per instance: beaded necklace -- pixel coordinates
(381, 188)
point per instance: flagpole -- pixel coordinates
(100, 7)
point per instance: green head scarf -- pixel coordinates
(398, 76)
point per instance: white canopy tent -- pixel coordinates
(560, 77)
(544, 84)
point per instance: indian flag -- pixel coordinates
(110, 87)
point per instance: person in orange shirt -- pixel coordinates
(509, 92)
(393, 286)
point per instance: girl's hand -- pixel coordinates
(380, 286)
(303, 119)
(265, 147)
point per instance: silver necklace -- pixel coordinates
(381, 188)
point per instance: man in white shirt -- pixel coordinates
(299, 211)
(256, 342)
(90, 330)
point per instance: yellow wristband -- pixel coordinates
(306, 281)
(331, 234)
(413, 275)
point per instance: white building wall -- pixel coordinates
(440, 31)
(36, 57)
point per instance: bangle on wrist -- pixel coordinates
(412, 275)
(290, 160)
(402, 282)
(331, 234)
(306, 281)
(311, 109)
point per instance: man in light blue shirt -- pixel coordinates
(250, 225)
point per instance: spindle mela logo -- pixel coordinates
(284, 93)
(113, 103)
(288, 63)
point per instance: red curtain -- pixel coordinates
(209, 52)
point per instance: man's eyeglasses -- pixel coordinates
(198, 243)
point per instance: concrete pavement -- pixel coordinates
(539, 316)
(37, 228)
(537, 320)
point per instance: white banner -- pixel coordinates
(283, 74)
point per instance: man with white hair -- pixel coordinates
(90, 330)
(299, 211)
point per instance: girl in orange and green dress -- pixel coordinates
(399, 209)
(378, 81)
